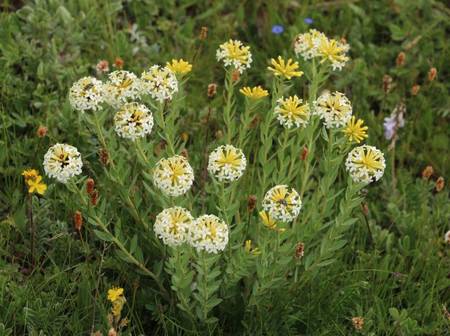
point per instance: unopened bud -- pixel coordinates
(299, 250)
(90, 185)
(77, 220)
(440, 183)
(104, 156)
(427, 172)
(203, 33)
(235, 75)
(401, 57)
(387, 84)
(118, 63)
(251, 203)
(41, 131)
(415, 89)
(94, 197)
(212, 90)
(304, 153)
(432, 73)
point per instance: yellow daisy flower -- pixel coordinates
(269, 222)
(285, 69)
(179, 67)
(333, 51)
(355, 131)
(255, 92)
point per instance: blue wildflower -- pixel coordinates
(308, 21)
(277, 29)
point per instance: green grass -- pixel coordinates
(392, 267)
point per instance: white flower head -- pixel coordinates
(282, 203)
(133, 121)
(306, 44)
(227, 163)
(87, 93)
(159, 82)
(209, 233)
(334, 108)
(447, 237)
(172, 225)
(234, 53)
(173, 176)
(365, 164)
(332, 51)
(62, 162)
(121, 87)
(292, 111)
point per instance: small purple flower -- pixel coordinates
(277, 29)
(395, 121)
(308, 21)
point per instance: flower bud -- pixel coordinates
(304, 153)
(104, 156)
(212, 90)
(440, 183)
(203, 33)
(401, 57)
(358, 322)
(90, 185)
(427, 172)
(251, 203)
(432, 73)
(77, 220)
(41, 131)
(118, 63)
(299, 250)
(415, 89)
(387, 84)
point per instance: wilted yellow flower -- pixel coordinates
(115, 293)
(285, 69)
(269, 222)
(355, 131)
(179, 67)
(255, 92)
(248, 248)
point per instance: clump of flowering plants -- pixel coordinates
(222, 231)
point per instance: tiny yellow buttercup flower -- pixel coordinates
(115, 293)
(255, 92)
(179, 67)
(355, 131)
(285, 69)
(36, 185)
(30, 174)
(291, 111)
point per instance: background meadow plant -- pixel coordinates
(376, 253)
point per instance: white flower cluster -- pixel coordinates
(87, 94)
(334, 108)
(159, 82)
(365, 164)
(291, 111)
(209, 233)
(172, 225)
(282, 203)
(121, 87)
(316, 44)
(173, 176)
(62, 162)
(234, 53)
(133, 121)
(227, 163)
